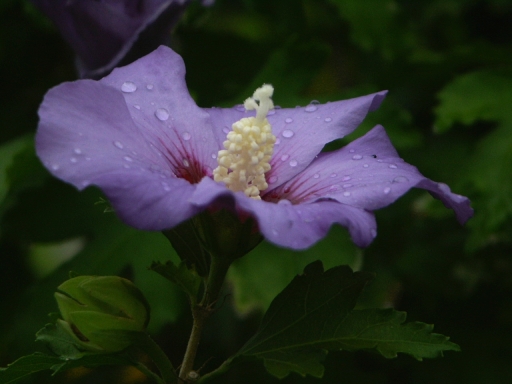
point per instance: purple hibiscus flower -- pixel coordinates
(108, 33)
(139, 136)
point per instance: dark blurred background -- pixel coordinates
(448, 67)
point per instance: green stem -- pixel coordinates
(147, 344)
(202, 311)
(217, 372)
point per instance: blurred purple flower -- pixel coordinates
(139, 136)
(108, 33)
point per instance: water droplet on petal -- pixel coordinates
(288, 120)
(357, 157)
(272, 179)
(284, 202)
(365, 165)
(128, 158)
(333, 175)
(240, 107)
(78, 151)
(278, 140)
(162, 114)
(118, 144)
(347, 185)
(346, 178)
(186, 136)
(316, 176)
(186, 163)
(387, 190)
(214, 155)
(55, 167)
(293, 163)
(346, 194)
(128, 87)
(334, 187)
(287, 133)
(73, 159)
(311, 108)
(225, 130)
(285, 157)
(352, 150)
(400, 179)
(149, 86)
(327, 119)
(393, 166)
(136, 106)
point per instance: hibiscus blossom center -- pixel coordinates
(248, 148)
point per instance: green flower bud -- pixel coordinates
(102, 313)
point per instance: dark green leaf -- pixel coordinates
(314, 314)
(36, 362)
(306, 312)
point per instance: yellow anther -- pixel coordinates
(248, 148)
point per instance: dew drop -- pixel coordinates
(285, 157)
(78, 151)
(128, 87)
(334, 187)
(346, 178)
(316, 176)
(214, 155)
(278, 140)
(118, 144)
(186, 136)
(365, 165)
(393, 166)
(333, 175)
(284, 202)
(357, 157)
(128, 158)
(400, 179)
(162, 114)
(73, 159)
(186, 163)
(287, 133)
(347, 185)
(149, 86)
(225, 130)
(311, 108)
(136, 106)
(240, 107)
(327, 119)
(346, 194)
(293, 163)
(387, 190)
(272, 179)
(314, 102)
(55, 167)
(288, 120)
(352, 150)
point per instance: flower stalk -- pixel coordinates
(200, 312)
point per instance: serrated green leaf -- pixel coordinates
(37, 362)
(483, 95)
(314, 314)
(184, 278)
(310, 307)
(27, 365)
(383, 329)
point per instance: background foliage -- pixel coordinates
(448, 67)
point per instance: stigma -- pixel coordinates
(243, 162)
